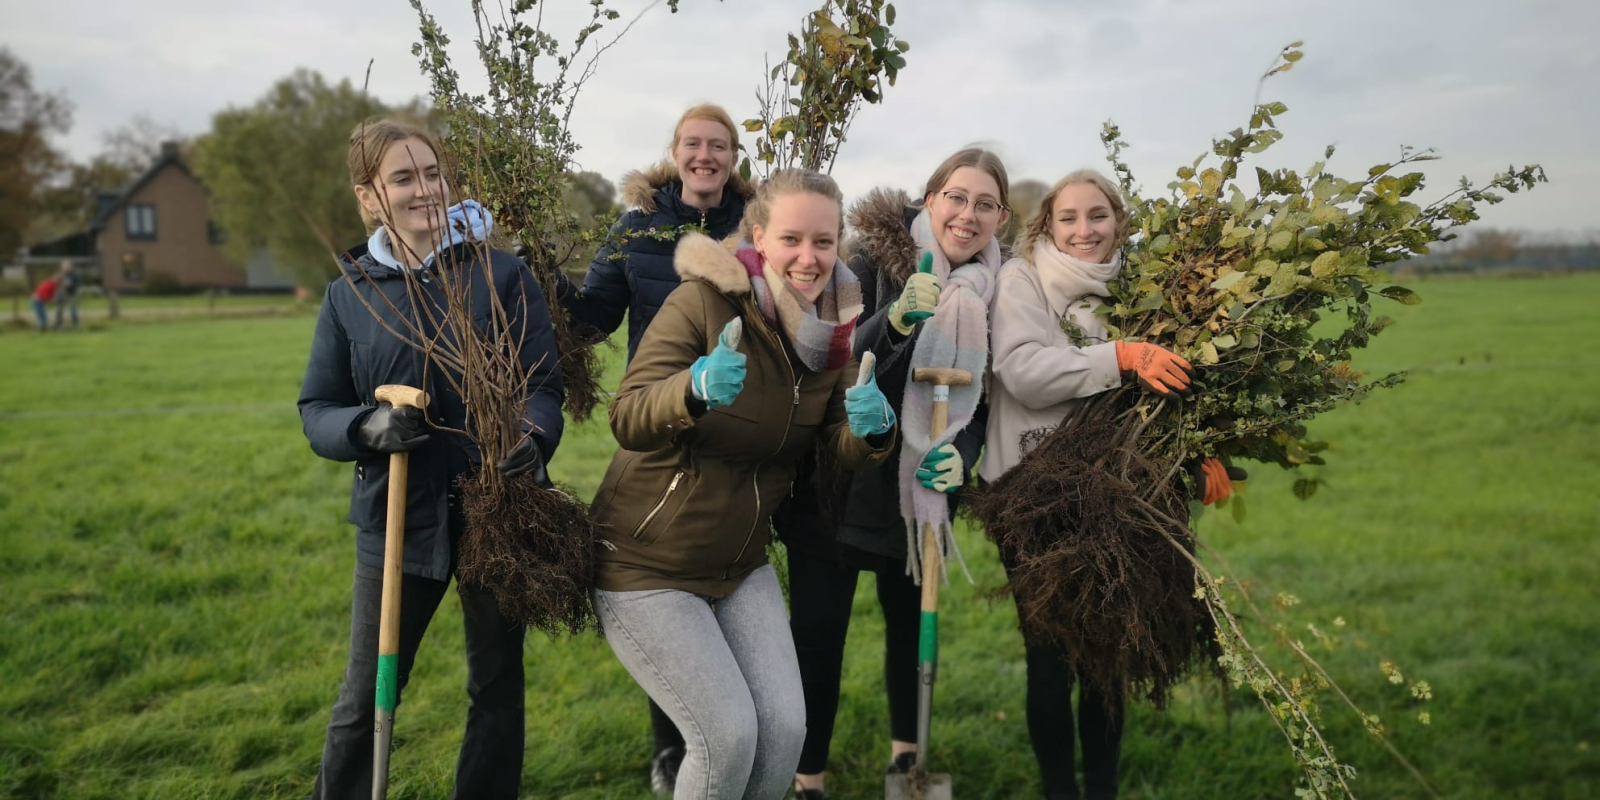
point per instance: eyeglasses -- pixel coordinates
(984, 208)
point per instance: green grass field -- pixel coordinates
(175, 570)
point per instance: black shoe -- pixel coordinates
(902, 763)
(664, 771)
(810, 794)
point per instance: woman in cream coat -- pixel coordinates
(1050, 352)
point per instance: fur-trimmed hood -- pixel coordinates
(704, 258)
(640, 186)
(881, 220)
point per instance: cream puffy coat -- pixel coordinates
(1039, 372)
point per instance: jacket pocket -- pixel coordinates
(665, 509)
(361, 371)
(369, 497)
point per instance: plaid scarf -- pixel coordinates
(819, 332)
(957, 335)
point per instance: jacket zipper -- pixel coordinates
(755, 475)
(671, 487)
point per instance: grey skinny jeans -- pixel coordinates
(725, 672)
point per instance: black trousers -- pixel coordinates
(1050, 723)
(490, 764)
(821, 591)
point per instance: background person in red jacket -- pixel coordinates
(43, 295)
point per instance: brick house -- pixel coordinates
(161, 226)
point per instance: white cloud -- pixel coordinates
(1487, 83)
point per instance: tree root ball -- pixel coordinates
(532, 548)
(1093, 535)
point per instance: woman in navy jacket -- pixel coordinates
(395, 171)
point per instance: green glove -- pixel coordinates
(918, 299)
(941, 469)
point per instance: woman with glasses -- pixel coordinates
(927, 270)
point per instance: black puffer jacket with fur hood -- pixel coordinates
(862, 509)
(635, 276)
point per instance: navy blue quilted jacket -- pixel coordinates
(636, 277)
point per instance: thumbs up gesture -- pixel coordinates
(866, 409)
(718, 378)
(918, 299)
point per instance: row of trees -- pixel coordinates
(1499, 249)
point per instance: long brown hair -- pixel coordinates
(1038, 226)
(977, 158)
(369, 140)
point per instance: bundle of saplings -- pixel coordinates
(529, 543)
(1268, 293)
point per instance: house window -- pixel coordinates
(133, 267)
(215, 234)
(141, 220)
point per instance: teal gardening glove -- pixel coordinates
(941, 469)
(718, 378)
(864, 404)
(918, 299)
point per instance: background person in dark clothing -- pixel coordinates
(395, 170)
(67, 294)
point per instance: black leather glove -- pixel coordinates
(392, 430)
(525, 457)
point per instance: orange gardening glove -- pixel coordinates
(1216, 480)
(1159, 370)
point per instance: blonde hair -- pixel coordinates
(369, 140)
(758, 211)
(1038, 226)
(710, 112)
(977, 158)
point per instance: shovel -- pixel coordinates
(388, 693)
(919, 784)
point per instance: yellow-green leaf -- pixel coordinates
(1208, 354)
(1325, 265)
(1223, 283)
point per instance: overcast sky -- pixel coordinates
(1486, 83)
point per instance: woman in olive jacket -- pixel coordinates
(698, 186)
(711, 424)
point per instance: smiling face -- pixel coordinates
(801, 240)
(1083, 224)
(960, 228)
(408, 194)
(704, 155)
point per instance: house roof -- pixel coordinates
(73, 244)
(169, 157)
